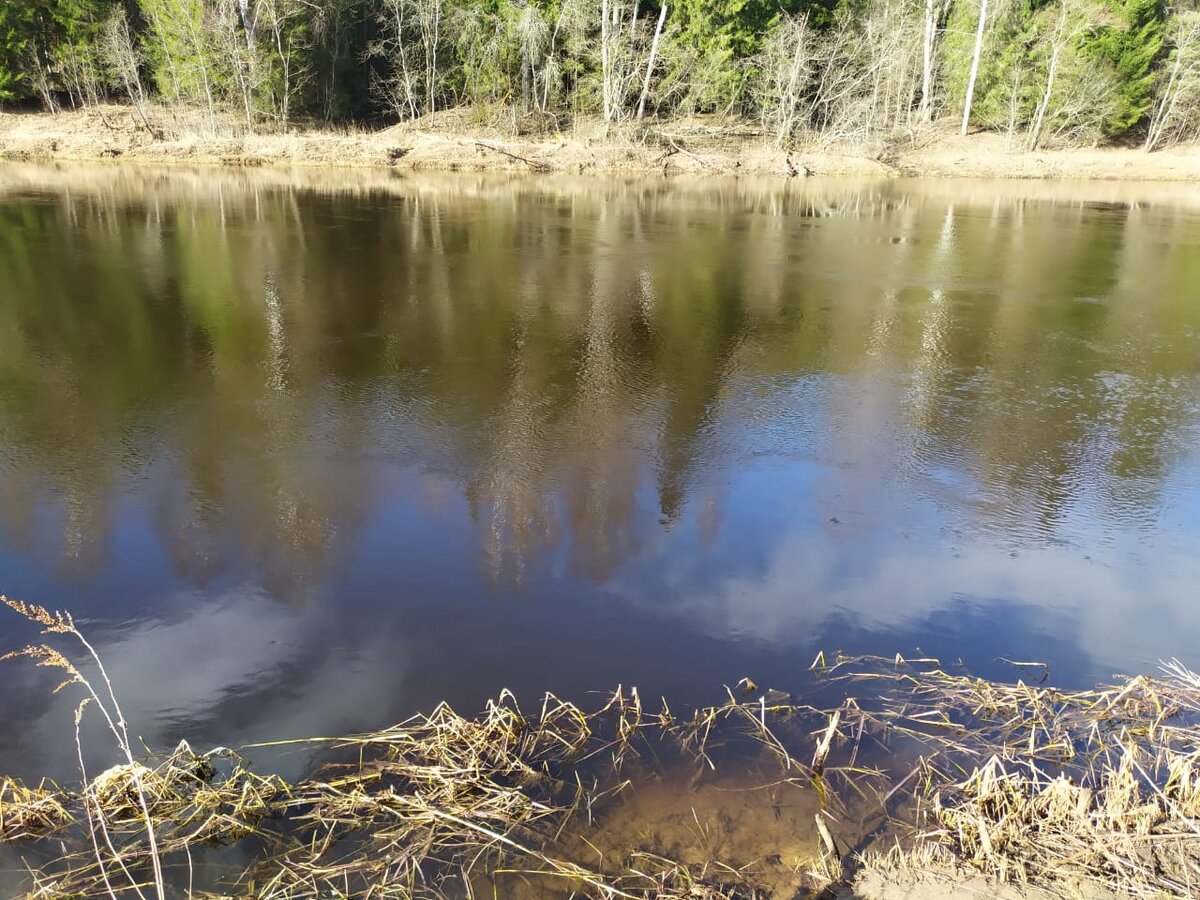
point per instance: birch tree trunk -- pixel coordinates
(966, 119)
(1185, 71)
(43, 83)
(285, 64)
(409, 98)
(1035, 134)
(430, 20)
(926, 108)
(662, 18)
(604, 61)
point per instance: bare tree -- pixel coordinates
(869, 70)
(1176, 111)
(34, 61)
(570, 40)
(935, 11)
(621, 61)
(787, 66)
(1057, 42)
(658, 29)
(77, 64)
(606, 57)
(229, 22)
(1077, 110)
(188, 48)
(429, 24)
(1017, 81)
(532, 32)
(399, 87)
(331, 28)
(617, 40)
(281, 17)
(121, 55)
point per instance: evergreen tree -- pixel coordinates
(1132, 46)
(16, 39)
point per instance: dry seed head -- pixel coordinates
(53, 622)
(47, 657)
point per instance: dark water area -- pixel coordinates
(307, 454)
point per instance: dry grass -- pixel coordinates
(440, 805)
(192, 800)
(1019, 782)
(443, 805)
(1031, 784)
(472, 141)
(31, 812)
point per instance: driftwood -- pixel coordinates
(793, 170)
(674, 148)
(535, 165)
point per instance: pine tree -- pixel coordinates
(16, 36)
(1133, 47)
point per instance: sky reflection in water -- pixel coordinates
(310, 457)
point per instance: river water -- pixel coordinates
(307, 453)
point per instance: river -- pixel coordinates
(306, 453)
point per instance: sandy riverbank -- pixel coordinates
(452, 142)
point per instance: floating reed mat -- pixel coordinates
(1035, 785)
(447, 806)
(888, 764)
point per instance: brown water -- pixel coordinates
(308, 453)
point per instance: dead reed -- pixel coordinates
(443, 805)
(31, 812)
(1018, 781)
(1033, 784)
(440, 805)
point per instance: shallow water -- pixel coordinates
(309, 453)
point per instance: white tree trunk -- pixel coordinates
(662, 18)
(285, 62)
(409, 98)
(966, 119)
(244, 11)
(604, 61)
(926, 108)
(1184, 69)
(431, 23)
(1035, 134)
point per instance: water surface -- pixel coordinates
(309, 453)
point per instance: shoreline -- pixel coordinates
(999, 811)
(452, 143)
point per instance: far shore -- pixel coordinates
(454, 142)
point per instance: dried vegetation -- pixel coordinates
(909, 765)
(1036, 785)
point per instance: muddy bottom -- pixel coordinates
(748, 830)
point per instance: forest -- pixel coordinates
(1044, 73)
